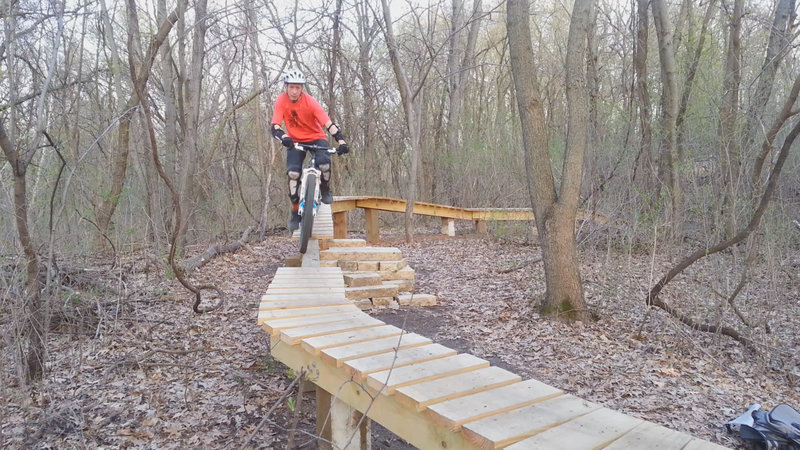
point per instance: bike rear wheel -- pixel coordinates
(307, 219)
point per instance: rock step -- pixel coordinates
(417, 300)
(402, 285)
(357, 279)
(362, 292)
(406, 273)
(361, 254)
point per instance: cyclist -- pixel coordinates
(304, 119)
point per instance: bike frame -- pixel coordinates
(308, 170)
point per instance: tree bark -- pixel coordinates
(191, 150)
(669, 160)
(411, 109)
(730, 151)
(555, 213)
(644, 158)
(32, 324)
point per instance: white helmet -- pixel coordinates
(294, 76)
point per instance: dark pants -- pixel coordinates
(294, 168)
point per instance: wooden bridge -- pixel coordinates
(429, 395)
(372, 205)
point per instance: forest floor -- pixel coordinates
(144, 371)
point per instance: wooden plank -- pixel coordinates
(315, 345)
(500, 430)
(454, 413)
(274, 326)
(293, 335)
(381, 204)
(267, 305)
(306, 290)
(594, 430)
(321, 300)
(372, 225)
(336, 356)
(304, 312)
(361, 367)
(340, 225)
(328, 277)
(412, 426)
(390, 380)
(344, 242)
(651, 436)
(302, 269)
(421, 395)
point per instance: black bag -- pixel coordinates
(778, 429)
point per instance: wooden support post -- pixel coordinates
(448, 226)
(373, 229)
(311, 258)
(340, 225)
(339, 423)
(481, 227)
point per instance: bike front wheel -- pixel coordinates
(307, 220)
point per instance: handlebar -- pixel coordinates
(308, 147)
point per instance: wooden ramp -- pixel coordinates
(426, 393)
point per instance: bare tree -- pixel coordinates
(555, 212)
(412, 108)
(669, 176)
(730, 150)
(644, 158)
(33, 320)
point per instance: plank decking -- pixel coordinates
(428, 394)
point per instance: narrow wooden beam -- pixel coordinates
(373, 228)
(340, 425)
(340, 225)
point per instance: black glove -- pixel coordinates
(287, 141)
(343, 149)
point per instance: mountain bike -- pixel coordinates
(309, 192)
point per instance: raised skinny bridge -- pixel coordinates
(428, 394)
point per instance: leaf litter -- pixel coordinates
(152, 374)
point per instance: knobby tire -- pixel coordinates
(307, 219)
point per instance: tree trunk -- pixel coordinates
(730, 152)
(690, 76)
(778, 46)
(644, 159)
(191, 150)
(31, 326)
(669, 161)
(555, 213)
(411, 109)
